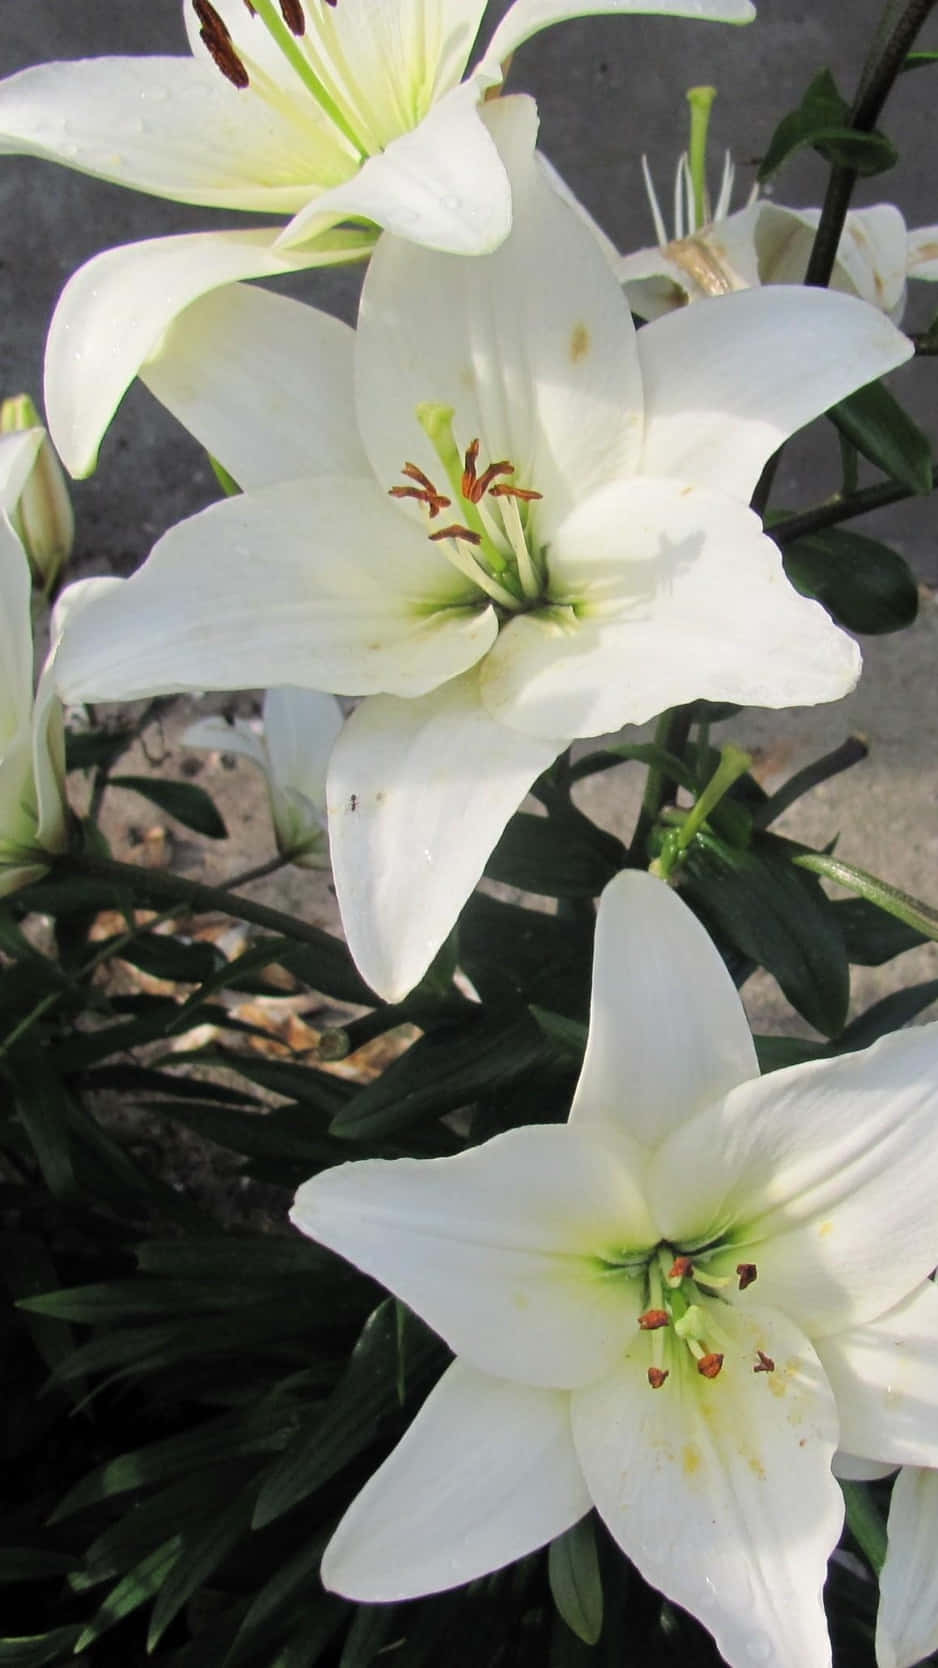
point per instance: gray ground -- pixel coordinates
(607, 89)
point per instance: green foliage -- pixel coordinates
(822, 122)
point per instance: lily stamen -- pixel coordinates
(504, 489)
(747, 1272)
(294, 16)
(653, 1318)
(217, 40)
(456, 532)
(434, 501)
(710, 1365)
(657, 1376)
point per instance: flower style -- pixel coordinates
(907, 1623)
(510, 522)
(765, 243)
(300, 728)
(320, 109)
(32, 753)
(673, 1308)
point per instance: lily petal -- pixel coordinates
(319, 582)
(441, 185)
(922, 253)
(667, 1027)
(16, 638)
(169, 126)
(485, 1474)
(297, 419)
(646, 567)
(720, 1489)
(835, 1160)
(18, 453)
(907, 1623)
(883, 1375)
(527, 17)
(533, 348)
(503, 1250)
(112, 314)
(706, 369)
(418, 794)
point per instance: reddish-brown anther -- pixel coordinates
(468, 483)
(294, 16)
(218, 44)
(710, 1366)
(680, 1268)
(505, 490)
(657, 1376)
(434, 501)
(486, 479)
(765, 1364)
(457, 532)
(747, 1273)
(653, 1318)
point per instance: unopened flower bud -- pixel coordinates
(42, 514)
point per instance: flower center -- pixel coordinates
(489, 538)
(683, 1309)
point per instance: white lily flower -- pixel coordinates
(671, 1308)
(41, 512)
(517, 523)
(32, 746)
(300, 728)
(907, 1623)
(766, 243)
(320, 109)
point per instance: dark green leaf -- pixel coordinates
(918, 60)
(849, 753)
(164, 956)
(822, 121)
(323, 1615)
(85, 749)
(885, 1016)
(368, 1634)
(272, 1611)
(567, 1035)
(543, 959)
(31, 1563)
(876, 424)
(40, 1648)
(136, 1587)
(241, 1257)
(863, 584)
(446, 1069)
(363, 1405)
(870, 936)
(189, 805)
(748, 898)
(573, 1568)
(776, 1053)
(43, 1109)
(557, 857)
(205, 1546)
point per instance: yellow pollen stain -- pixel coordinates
(927, 252)
(756, 1467)
(690, 1459)
(579, 343)
(825, 1229)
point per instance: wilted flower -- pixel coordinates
(41, 513)
(519, 524)
(299, 730)
(673, 1308)
(322, 111)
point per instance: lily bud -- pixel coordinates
(42, 514)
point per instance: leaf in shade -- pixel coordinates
(557, 857)
(870, 936)
(189, 805)
(791, 930)
(573, 1569)
(875, 423)
(205, 1546)
(39, 1649)
(135, 1589)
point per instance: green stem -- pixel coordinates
(911, 910)
(865, 1524)
(161, 887)
(839, 509)
(733, 764)
(671, 733)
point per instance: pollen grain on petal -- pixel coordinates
(747, 1272)
(652, 1319)
(710, 1365)
(765, 1364)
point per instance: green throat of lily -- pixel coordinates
(681, 1314)
(487, 533)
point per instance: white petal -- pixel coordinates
(847, 1468)
(668, 1032)
(726, 381)
(320, 582)
(169, 126)
(922, 253)
(441, 185)
(907, 1624)
(532, 347)
(49, 765)
(720, 1489)
(825, 1175)
(486, 1473)
(526, 17)
(504, 1250)
(654, 284)
(112, 314)
(263, 383)
(419, 792)
(16, 638)
(675, 594)
(18, 453)
(885, 1378)
(216, 735)
(871, 256)
(301, 727)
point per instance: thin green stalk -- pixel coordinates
(733, 764)
(922, 916)
(671, 733)
(840, 509)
